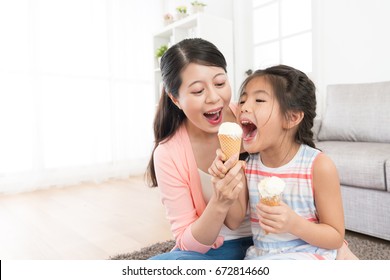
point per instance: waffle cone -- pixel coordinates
(271, 201)
(229, 145)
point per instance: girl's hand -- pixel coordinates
(276, 219)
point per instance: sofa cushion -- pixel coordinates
(357, 112)
(360, 164)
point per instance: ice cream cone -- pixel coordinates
(230, 138)
(271, 191)
(229, 145)
(271, 201)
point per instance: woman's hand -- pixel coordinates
(228, 187)
(276, 219)
(227, 177)
(220, 166)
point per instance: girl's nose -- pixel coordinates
(244, 109)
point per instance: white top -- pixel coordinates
(245, 228)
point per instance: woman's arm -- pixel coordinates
(220, 169)
(227, 192)
(192, 233)
(329, 232)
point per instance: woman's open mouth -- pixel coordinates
(214, 117)
(249, 130)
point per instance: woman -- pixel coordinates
(194, 102)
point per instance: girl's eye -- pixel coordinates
(241, 102)
(220, 84)
(260, 100)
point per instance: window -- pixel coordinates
(76, 91)
(282, 33)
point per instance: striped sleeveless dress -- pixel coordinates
(298, 194)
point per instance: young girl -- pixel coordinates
(276, 111)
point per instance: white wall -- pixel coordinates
(351, 43)
(243, 41)
(75, 84)
(221, 8)
(240, 12)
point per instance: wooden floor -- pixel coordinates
(88, 221)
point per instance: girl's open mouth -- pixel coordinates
(249, 130)
(214, 117)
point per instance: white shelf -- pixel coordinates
(217, 30)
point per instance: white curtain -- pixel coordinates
(76, 90)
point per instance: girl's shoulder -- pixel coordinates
(308, 154)
(323, 164)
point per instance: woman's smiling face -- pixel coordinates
(204, 93)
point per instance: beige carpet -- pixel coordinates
(367, 247)
(363, 246)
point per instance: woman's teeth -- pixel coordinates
(212, 115)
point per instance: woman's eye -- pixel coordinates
(220, 84)
(198, 91)
(260, 100)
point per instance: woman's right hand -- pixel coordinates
(227, 178)
(219, 168)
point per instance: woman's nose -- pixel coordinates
(212, 96)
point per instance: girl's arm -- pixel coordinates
(192, 232)
(329, 232)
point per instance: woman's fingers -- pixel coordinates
(231, 161)
(232, 180)
(217, 168)
(221, 155)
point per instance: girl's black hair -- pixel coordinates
(294, 92)
(168, 117)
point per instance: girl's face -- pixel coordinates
(204, 93)
(260, 117)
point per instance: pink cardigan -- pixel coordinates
(181, 189)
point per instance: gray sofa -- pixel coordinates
(355, 133)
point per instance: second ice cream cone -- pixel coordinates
(271, 201)
(271, 189)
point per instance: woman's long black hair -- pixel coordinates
(168, 117)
